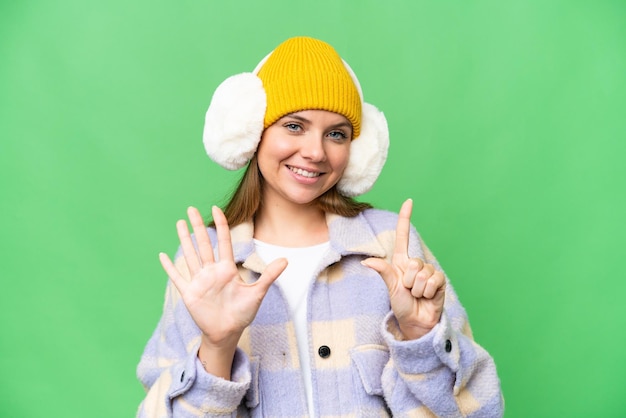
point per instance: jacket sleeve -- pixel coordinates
(175, 381)
(445, 372)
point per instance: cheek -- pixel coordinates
(341, 158)
(273, 149)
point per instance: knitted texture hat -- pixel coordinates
(300, 74)
(305, 73)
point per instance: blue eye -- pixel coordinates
(293, 127)
(338, 135)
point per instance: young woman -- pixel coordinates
(298, 300)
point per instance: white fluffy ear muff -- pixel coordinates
(368, 153)
(233, 124)
(234, 121)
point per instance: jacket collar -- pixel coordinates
(348, 236)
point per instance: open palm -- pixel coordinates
(219, 301)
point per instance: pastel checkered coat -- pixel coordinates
(359, 367)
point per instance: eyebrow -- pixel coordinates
(305, 120)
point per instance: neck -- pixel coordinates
(299, 226)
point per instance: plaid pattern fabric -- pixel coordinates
(359, 366)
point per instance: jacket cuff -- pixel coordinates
(207, 391)
(426, 353)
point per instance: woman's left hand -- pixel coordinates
(416, 289)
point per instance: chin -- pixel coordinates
(304, 198)
(304, 201)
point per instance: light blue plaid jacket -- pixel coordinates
(369, 373)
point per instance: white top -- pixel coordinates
(294, 283)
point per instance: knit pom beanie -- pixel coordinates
(302, 73)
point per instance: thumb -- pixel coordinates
(271, 273)
(383, 268)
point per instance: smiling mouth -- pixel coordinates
(304, 173)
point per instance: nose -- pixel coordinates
(313, 148)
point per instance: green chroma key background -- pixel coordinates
(508, 129)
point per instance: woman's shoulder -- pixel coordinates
(379, 213)
(380, 219)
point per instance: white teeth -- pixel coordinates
(304, 173)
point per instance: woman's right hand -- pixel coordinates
(219, 301)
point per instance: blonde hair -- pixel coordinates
(246, 199)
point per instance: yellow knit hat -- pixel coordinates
(304, 73)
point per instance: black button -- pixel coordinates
(448, 346)
(182, 376)
(324, 351)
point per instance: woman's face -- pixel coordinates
(303, 155)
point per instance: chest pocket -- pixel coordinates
(369, 361)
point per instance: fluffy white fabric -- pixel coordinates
(234, 121)
(368, 153)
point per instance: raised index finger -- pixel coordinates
(403, 227)
(225, 248)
